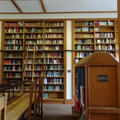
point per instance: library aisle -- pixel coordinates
(57, 112)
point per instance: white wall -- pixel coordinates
(69, 60)
(58, 16)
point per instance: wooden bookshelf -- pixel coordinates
(13, 50)
(49, 36)
(90, 35)
(94, 35)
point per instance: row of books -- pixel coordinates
(82, 54)
(15, 47)
(13, 41)
(54, 24)
(84, 41)
(12, 68)
(84, 29)
(14, 24)
(54, 35)
(105, 41)
(104, 35)
(12, 62)
(13, 30)
(14, 36)
(31, 47)
(29, 67)
(53, 54)
(35, 74)
(40, 24)
(11, 55)
(12, 75)
(33, 36)
(54, 67)
(105, 47)
(53, 88)
(53, 41)
(54, 47)
(84, 36)
(84, 23)
(104, 23)
(54, 30)
(33, 30)
(84, 47)
(54, 74)
(53, 61)
(33, 24)
(31, 42)
(53, 80)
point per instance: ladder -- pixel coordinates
(24, 67)
(35, 90)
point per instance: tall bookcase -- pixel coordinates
(49, 37)
(94, 35)
(12, 45)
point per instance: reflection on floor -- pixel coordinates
(57, 112)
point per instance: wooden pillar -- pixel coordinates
(118, 7)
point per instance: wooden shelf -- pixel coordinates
(53, 84)
(50, 36)
(53, 90)
(102, 33)
(85, 32)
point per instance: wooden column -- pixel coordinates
(118, 5)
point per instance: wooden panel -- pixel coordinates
(104, 117)
(103, 94)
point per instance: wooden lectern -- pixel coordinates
(99, 74)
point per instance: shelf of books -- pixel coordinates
(13, 50)
(49, 56)
(94, 35)
(90, 36)
(54, 60)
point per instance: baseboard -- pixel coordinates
(68, 101)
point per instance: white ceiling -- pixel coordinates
(7, 6)
(29, 5)
(59, 5)
(80, 5)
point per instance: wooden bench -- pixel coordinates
(18, 107)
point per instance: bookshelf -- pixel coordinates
(49, 37)
(54, 60)
(13, 50)
(94, 35)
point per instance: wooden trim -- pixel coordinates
(2, 54)
(106, 110)
(43, 6)
(71, 12)
(69, 101)
(17, 7)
